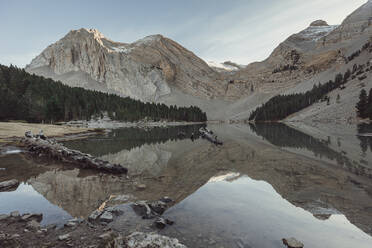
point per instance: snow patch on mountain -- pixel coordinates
(315, 33)
(122, 49)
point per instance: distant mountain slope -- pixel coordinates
(146, 69)
(314, 55)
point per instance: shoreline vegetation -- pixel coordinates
(10, 130)
(25, 96)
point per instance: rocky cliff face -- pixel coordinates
(354, 27)
(146, 69)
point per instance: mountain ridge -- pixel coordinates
(158, 69)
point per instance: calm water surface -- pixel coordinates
(265, 183)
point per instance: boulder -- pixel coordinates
(160, 223)
(141, 186)
(9, 185)
(292, 243)
(143, 209)
(158, 207)
(114, 210)
(64, 237)
(106, 217)
(108, 235)
(94, 215)
(146, 240)
(166, 199)
(33, 225)
(73, 222)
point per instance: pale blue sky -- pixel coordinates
(243, 31)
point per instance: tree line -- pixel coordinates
(281, 106)
(364, 105)
(25, 96)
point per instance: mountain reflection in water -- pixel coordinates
(219, 189)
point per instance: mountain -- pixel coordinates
(158, 69)
(146, 69)
(312, 56)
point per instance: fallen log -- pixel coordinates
(53, 150)
(208, 135)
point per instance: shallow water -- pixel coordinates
(26, 199)
(266, 182)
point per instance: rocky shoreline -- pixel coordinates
(25, 230)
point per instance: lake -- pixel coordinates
(266, 182)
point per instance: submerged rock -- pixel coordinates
(292, 243)
(9, 185)
(151, 240)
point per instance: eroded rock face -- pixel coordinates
(145, 69)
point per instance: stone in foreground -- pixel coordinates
(64, 237)
(106, 217)
(151, 240)
(292, 243)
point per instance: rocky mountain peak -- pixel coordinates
(96, 33)
(318, 23)
(145, 69)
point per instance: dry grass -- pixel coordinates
(17, 129)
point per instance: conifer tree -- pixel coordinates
(362, 105)
(369, 108)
